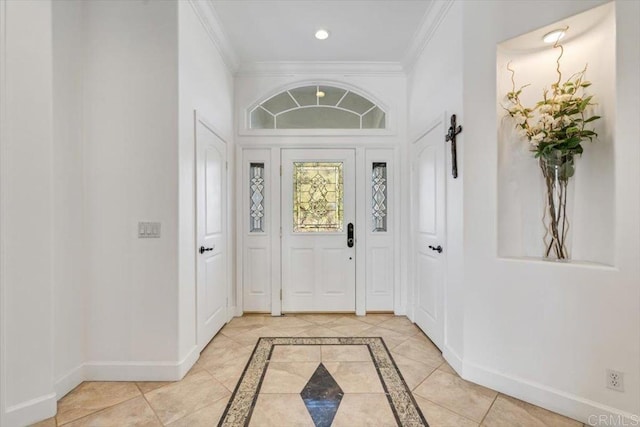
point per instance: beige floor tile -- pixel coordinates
(147, 386)
(90, 397)
(437, 416)
(49, 422)
(174, 401)
(351, 330)
(287, 377)
(288, 322)
(355, 377)
(205, 417)
(507, 411)
(421, 351)
(229, 374)
(445, 367)
(218, 359)
(318, 319)
(134, 412)
(364, 410)
(280, 410)
(402, 325)
(462, 397)
(250, 320)
(412, 371)
(320, 331)
(345, 353)
(251, 338)
(345, 321)
(295, 353)
(391, 338)
(232, 332)
(220, 341)
(375, 319)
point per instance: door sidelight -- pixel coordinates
(350, 240)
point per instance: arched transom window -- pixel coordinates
(317, 107)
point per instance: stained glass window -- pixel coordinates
(379, 196)
(256, 197)
(317, 197)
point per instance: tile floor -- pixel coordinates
(201, 397)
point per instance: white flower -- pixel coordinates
(564, 97)
(546, 108)
(561, 122)
(545, 119)
(537, 137)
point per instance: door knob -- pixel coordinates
(437, 249)
(203, 249)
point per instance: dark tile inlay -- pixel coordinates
(243, 400)
(322, 396)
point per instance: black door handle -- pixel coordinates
(437, 249)
(350, 240)
(203, 249)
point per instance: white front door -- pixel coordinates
(211, 219)
(318, 218)
(429, 176)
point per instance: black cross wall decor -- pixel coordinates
(451, 136)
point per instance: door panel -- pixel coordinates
(211, 208)
(429, 230)
(318, 202)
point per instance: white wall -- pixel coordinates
(546, 332)
(435, 89)
(69, 288)
(130, 106)
(206, 86)
(26, 212)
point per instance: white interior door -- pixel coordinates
(318, 204)
(429, 176)
(211, 219)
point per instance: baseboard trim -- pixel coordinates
(140, 371)
(576, 407)
(69, 381)
(453, 359)
(31, 411)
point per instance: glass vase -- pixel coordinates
(557, 169)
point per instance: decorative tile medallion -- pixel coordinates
(240, 407)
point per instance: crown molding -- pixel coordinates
(208, 16)
(433, 17)
(320, 67)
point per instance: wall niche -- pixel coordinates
(590, 39)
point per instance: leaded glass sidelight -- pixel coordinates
(256, 197)
(318, 197)
(379, 196)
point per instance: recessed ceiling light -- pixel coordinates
(554, 36)
(322, 34)
(320, 94)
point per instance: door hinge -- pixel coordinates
(280, 170)
(280, 294)
(280, 232)
(226, 165)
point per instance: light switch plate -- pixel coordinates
(149, 230)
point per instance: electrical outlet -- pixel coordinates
(615, 380)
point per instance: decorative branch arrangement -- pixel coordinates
(555, 128)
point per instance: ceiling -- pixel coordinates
(283, 30)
